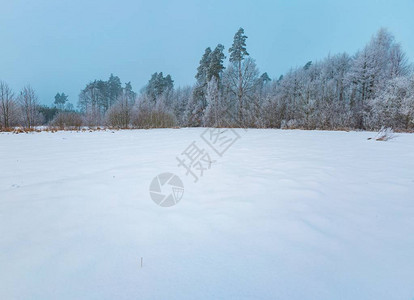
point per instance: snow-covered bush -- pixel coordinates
(148, 115)
(119, 115)
(153, 119)
(67, 120)
(292, 124)
(385, 134)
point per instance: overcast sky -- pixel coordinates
(59, 46)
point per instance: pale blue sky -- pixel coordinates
(59, 46)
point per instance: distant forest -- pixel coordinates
(367, 90)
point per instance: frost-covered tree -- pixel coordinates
(238, 53)
(211, 66)
(379, 62)
(238, 49)
(29, 106)
(99, 96)
(147, 114)
(114, 90)
(262, 83)
(159, 86)
(119, 115)
(394, 107)
(307, 65)
(8, 106)
(90, 103)
(368, 90)
(197, 102)
(215, 112)
(203, 68)
(216, 66)
(181, 98)
(60, 100)
(130, 95)
(240, 86)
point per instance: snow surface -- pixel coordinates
(284, 214)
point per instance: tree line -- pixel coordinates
(367, 90)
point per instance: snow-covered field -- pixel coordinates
(282, 215)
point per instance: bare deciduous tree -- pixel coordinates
(30, 115)
(119, 114)
(8, 108)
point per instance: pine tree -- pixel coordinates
(202, 69)
(198, 103)
(307, 65)
(237, 54)
(238, 49)
(114, 89)
(216, 67)
(129, 93)
(159, 86)
(60, 100)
